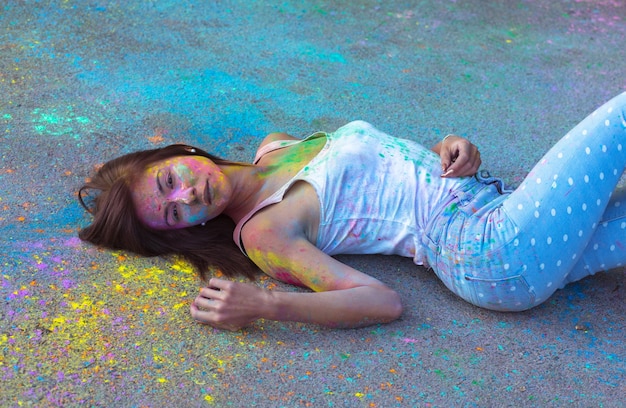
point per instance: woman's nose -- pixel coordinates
(185, 196)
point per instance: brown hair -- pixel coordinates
(116, 226)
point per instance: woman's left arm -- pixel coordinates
(459, 156)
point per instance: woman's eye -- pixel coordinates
(168, 180)
(172, 215)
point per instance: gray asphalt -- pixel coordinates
(83, 82)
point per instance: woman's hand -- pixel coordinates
(228, 305)
(459, 157)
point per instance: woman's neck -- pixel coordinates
(247, 182)
(252, 184)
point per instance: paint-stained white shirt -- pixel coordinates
(376, 192)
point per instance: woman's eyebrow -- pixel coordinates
(165, 215)
(158, 181)
(160, 187)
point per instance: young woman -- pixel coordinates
(360, 191)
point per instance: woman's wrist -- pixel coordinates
(269, 307)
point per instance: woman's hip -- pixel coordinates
(481, 254)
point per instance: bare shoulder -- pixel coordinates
(295, 216)
(272, 137)
(270, 231)
(271, 241)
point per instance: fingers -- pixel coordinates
(210, 298)
(215, 289)
(209, 311)
(210, 294)
(216, 304)
(467, 162)
(451, 148)
(219, 283)
(205, 298)
(211, 318)
(459, 158)
(447, 173)
(463, 167)
(446, 159)
(199, 315)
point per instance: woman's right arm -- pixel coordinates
(343, 297)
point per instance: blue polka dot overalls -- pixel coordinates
(510, 251)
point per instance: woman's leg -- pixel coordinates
(560, 207)
(607, 248)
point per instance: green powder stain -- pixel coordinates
(320, 10)
(439, 373)
(293, 156)
(54, 123)
(50, 118)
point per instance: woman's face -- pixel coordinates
(180, 192)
